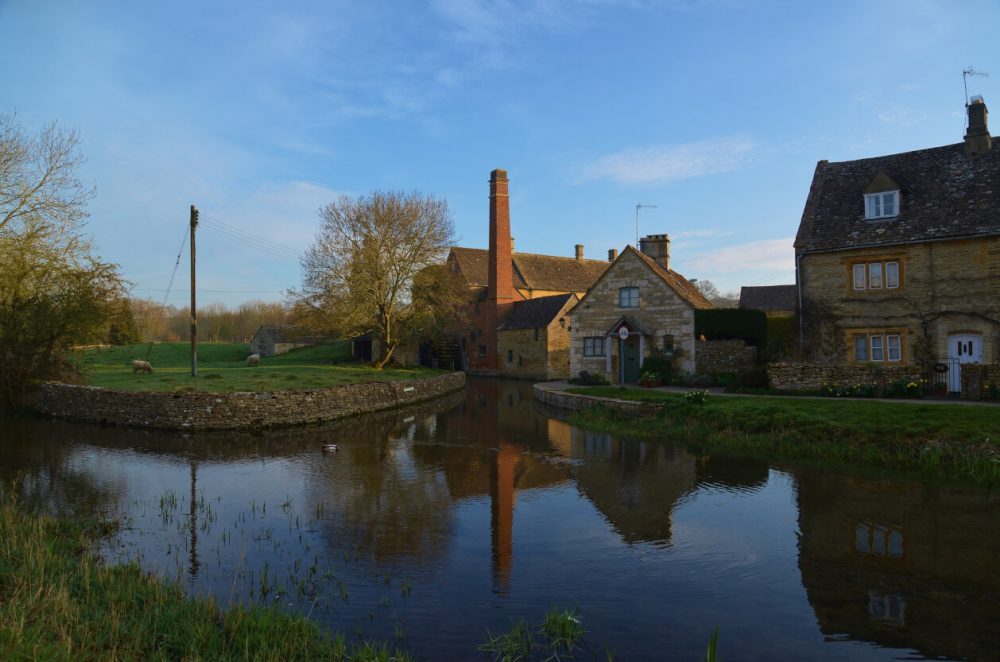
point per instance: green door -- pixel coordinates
(631, 356)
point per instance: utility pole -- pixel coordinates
(194, 309)
(637, 208)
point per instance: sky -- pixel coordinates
(259, 113)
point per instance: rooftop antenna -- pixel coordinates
(969, 71)
(637, 208)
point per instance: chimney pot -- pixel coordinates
(579, 252)
(612, 254)
(977, 136)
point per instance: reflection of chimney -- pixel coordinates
(502, 512)
(612, 254)
(501, 277)
(977, 136)
(579, 252)
(657, 246)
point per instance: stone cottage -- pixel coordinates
(639, 306)
(898, 257)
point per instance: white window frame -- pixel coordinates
(626, 298)
(893, 348)
(861, 348)
(875, 275)
(593, 346)
(884, 204)
(892, 282)
(876, 344)
(860, 270)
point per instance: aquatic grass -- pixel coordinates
(560, 634)
(61, 603)
(948, 440)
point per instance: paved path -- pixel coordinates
(715, 390)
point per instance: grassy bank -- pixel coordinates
(60, 603)
(949, 440)
(222, 367)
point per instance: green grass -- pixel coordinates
(953, 440)
(222, 367)
(60, 603)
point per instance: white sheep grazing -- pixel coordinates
(253, 360)
(141, 366)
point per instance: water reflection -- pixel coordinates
(901, 564)
(448, 518)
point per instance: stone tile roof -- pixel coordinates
(681, 285)
(944, 193)
(535, 313)
(534, 272)
(768, 297)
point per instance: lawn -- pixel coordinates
(222, 367)
(956, 439)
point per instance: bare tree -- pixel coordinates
(358, 275)
(54, 292)
(717, 298)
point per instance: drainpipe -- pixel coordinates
(798, 282)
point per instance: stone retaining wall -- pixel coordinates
(574, 402)
(977, 380)
(713, 356)
(230, 411)
(812, 376)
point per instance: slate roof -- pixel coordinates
(535, 313)
(768, 297)
(534, 272)
(944, 194)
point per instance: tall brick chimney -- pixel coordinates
(500, 286)
(657, 246)
(579, 252)
(977, 136)
(612, 254)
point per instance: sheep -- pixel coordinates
(141, 366)
(253, 360)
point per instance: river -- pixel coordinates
(434, 524)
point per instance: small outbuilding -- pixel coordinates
(274, 339)
(774, 300)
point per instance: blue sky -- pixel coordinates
(716, 111)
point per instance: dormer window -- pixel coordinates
(882, 205)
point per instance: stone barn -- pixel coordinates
(271, 340)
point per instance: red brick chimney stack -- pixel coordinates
(501, 278)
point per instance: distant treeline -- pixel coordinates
(216, 322)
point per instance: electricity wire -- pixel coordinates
(170, 284)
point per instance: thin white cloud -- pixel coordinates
(667, 163)
(770, 255)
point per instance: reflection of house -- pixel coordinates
(500, 282)
(271, 340)
(901, 565)
(775, 300)
(900, 251)
(637, 307)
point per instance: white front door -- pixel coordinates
(962, 348)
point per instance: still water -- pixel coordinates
(436, 523)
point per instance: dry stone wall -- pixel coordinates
(724, 356)
(812, 376)
(231, 411)
(979, 380)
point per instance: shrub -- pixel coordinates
(732, 324)
(696, 397)
(856, 391)
(588, 379)
(648, 378)
(723, 378)
(697, 380)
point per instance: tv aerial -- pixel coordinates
(969, 71)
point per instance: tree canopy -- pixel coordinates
(375, 268)
(54, 291)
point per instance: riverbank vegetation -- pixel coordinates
(222, 367)
(951, 440)
(61, 603)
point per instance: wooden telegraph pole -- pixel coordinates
(194, 309)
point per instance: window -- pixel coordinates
(878, 347)
(875, 275)
(882, 205)
(593, 346)
(482, 351)
(668, 341)
(536, 333)
(628, 297)
(510, 356)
